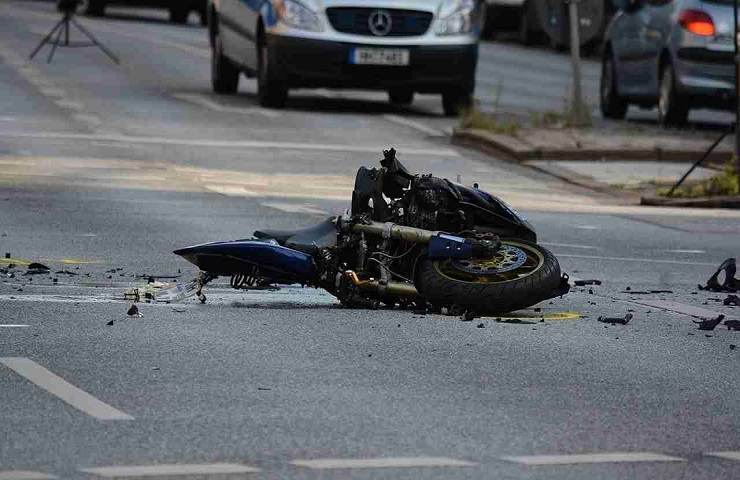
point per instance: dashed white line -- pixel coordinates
(389, 462)
(585, 458)
(24, 475)
(587, 227)
(639, 260)
(413, 124)
(59, 387)
(726, 455)
(52, 92)
(439, 152)
(14, 326)
(568, 245)
(687, 251)
(171, 469)
(208, 103)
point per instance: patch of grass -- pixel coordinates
(474, 118)
(725, 183)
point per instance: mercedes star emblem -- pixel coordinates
(379, 23)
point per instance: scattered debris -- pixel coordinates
(111, 323)
(155, 368)
(733, 346)
(265, 389)
(729, 283)
(7, 255)
(481, 325)
(179, 309)
(66, 272)
(732, 300)
(37, 269)
(537, 309)
(133, 311)
(583, 283)
(468, 316)
(732, 324)
(709, 324)
(590, 291)
(513, 320)
(616, 320)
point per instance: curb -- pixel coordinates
(702, 202)
(512, 148)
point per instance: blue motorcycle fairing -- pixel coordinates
(241, 256)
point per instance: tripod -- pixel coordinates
(59, 37)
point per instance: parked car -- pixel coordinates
(179, 9)
(676, 54)
(402, 46)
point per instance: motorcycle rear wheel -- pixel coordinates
(520, 275)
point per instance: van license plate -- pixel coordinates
(379, 56)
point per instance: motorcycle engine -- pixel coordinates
(433, 205)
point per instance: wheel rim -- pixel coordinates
(513, 261)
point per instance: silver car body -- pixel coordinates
(646, 37)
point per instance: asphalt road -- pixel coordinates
(104, 170)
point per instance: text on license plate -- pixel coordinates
(379, 56)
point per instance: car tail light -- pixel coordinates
(697, 22)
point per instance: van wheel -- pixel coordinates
(224, 74)
(673, 108)
(271, 89)
(179, 14)
(455, 100)
(401, 96)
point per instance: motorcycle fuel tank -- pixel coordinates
(241, 256)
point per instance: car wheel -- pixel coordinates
(527, 36)
(224, 74)
(94, 8)
(179, 14)
(456, 100)
(612, 105)
(401, 96)
(271, 89)
(673, 108)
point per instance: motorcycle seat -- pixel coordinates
(304, 239)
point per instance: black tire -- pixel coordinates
(271, 89)
(527, 36)
(179, 14)
(94, 8)
(673, 108)
(449, 282)
(224, 74)
(455, 100)
(612, 105)
(401, 96)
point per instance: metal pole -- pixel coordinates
(579, 112)
(737, 91)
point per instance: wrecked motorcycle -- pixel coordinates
(409, 240)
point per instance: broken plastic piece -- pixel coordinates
(37, 269)
(616, 320)
(729, 283)
(133, 311)
(709, 324)
(583, 283)
(732, 300)
(732, 324)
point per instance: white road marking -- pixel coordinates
(639, 260)
(59, 387)
(725, 455)
(171, 469)
(677, 307)
(7, 119)
(52, 92)
(14, 326)
(24, 475)
(389, 462)
(87, 118)
(439, 152)
(568, 245)
(588, 227)
(613, 457)
(70, 105)
(413, 124)
(204, 101)
(294, 208)
(686, 251)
